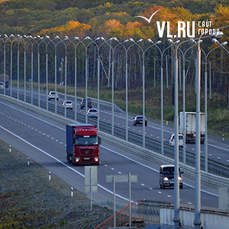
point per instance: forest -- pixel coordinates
(32, 20)
(102, 18)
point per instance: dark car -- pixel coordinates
(139, 120)
(166, 176)
(83, 103)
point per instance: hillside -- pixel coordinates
(34, 16)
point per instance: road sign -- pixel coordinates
(91, 179)
(121, 178)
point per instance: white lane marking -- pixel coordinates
(62, 163)
(191, 186)
(218, 147)
(155, 170)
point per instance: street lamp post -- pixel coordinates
(12, 39)
(197, 221)
(143, 81)
(126, 50)
(184, 116)
(38, 71)
(55, 45)
(176, 218)
(19, 39)
(66, 69)
(75, 86)
(112, 82)
(205, 99)
(162, 96)
(25, 66)
(98, 79)
(4, 67)
(46, 71)
(176, 146)
(32, 42)
(86, 72)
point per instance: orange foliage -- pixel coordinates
(71, 28)
(112, 27)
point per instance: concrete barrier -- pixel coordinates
(210, 219)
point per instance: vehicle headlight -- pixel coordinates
(179, 178)
(166, 179)
(77, 159)
(96, 159)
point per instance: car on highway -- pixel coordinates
(139, 120)
(83, 103)
(172, 140)
(67, 104)
(53, 95)
(92, 113)
(166, 176)
(2, 85)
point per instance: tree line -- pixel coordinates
(117, 19)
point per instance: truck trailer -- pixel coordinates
(82, 142)
(190, 122)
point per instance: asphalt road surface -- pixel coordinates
(43, 140)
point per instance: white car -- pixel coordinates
(53, 95)
(92, 113)
(68, 104)
(172, 140)
(2, 85)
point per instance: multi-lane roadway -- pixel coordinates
(43, 140)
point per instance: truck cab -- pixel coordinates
(82, 142)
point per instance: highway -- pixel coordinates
(43, 140)
(218, 150)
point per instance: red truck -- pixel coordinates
(82, 142)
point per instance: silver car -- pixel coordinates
(2, 85)
(68, 104)
(53, 95)
(92, 113)
(172, 140)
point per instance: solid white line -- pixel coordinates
(107, 149)
(104, 112)
(49, 155)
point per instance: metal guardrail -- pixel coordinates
(213, 180)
